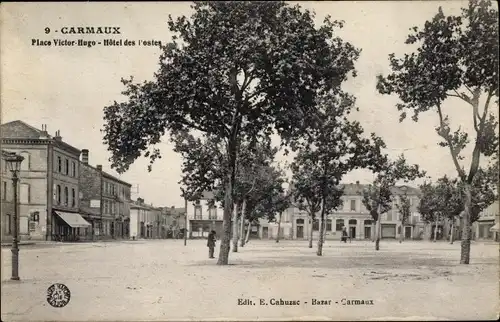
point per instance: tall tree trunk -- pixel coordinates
(279, 227)
(378, 227)
(225, 244)
(466, 233)
(321, 229)
(242, 223)
(377, 233)
(248, 231)
(372, 231)
(311, 233)
(235, 228)
(436, 229)
(402, 233)
(452, 231)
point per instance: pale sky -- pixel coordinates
(67, 87)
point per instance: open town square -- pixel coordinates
(165, 280)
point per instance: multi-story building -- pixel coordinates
(145, 220)
(104, 201)
(173, 221)
(296, 224)
(7, 197)
(48, 191)
(484, 227)
(204, 215)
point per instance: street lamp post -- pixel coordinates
(14, 164)
(185, 220)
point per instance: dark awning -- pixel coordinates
(73, 219)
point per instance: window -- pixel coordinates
(4, 191)
(352, 222)
(66, 167)
(339, 224)
(66, 196)
(353, 205)
(73, 197)
(24, 191)
(105, 207)
(197, 212)
(73, 167)
(300, 221)
(328, 225)
(316, 225)
(59, 164)
(212, 213)
(25, 165)
(8, 227)
(58, 194)
(367, 222)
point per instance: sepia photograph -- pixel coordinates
(249, 161)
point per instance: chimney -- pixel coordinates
(99, 167)
(357, 183)
(85, 156)
(140, 200)
(44, 133)
(58, 135)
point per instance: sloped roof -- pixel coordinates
(19, 129)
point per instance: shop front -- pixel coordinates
(70, 226)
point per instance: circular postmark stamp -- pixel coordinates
(58, 295)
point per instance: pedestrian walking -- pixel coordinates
(211, 244)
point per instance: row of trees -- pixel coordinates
(237, 73)
(443, 201)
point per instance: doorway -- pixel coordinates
(265, 232)
(352, 232)
(368, 232)
(300, 231)
(407, 232)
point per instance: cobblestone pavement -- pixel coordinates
(164, 280)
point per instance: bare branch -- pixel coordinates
(450, 144)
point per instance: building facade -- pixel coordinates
(203, 216)
(104, 201)
(173, 222)
(296, 224)
(48, 183)
(484, 227)
(145, 220)
(7, 197)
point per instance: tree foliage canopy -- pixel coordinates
(446, 197)
(235, 70)
(377, 198)
(457, 57)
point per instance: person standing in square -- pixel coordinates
(211, 244)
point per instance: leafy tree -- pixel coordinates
(333, 148)
(377, 198)
(456, 58)
(306, 195)
(404, 208)
(204, 169)
(234, 70)
(442, 200)
(445, 199)
(268, 186)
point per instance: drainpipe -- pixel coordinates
(100, 203)
(50, 191)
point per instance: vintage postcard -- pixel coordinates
(243, 161)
